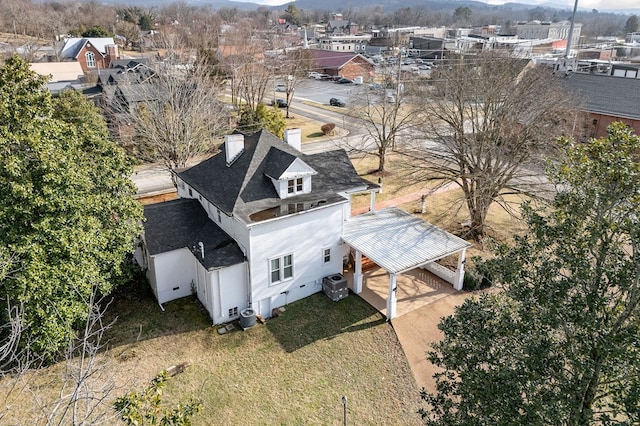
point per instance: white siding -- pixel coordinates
(303, 235)
(235, 229)
(171, 274)
(232, 292)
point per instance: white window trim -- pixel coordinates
(281, 269)
(324, 255)
(90, 59)
(298, 182)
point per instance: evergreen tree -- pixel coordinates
(68, 216)
(559, 345)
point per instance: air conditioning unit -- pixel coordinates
(335, 287)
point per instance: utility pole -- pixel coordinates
(570, 38)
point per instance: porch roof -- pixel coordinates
(398, 241)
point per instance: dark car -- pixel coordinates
(336, 102)
(280, 103)
(343, 80)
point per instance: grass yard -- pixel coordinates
(292, 370)
(310, 128)
(394, 183)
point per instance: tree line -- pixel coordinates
(200, 25)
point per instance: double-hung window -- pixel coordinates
(281, 268)
(326, 255)
(294, 186)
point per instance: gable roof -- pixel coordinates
(183, 223)
(278, 161)
(244, 188)
(339, 23)
(608, 95)
(74, 45)
(138, 92)
(329, 59)
(130, 63)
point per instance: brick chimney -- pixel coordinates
(112, 54)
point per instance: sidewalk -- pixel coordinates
(413, 196)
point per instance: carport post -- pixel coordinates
(357, 273)
(459, 280)
(391, 300)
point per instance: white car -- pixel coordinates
(314, 75)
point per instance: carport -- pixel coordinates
(399, 242)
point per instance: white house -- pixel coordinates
(261, 224)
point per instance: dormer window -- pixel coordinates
(294, 186)
(289, 174)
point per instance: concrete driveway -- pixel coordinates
(423, 300)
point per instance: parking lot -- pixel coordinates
(322, 90)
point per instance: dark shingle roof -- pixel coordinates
(277, 162)
(129, 63)
(138, 93)
(339, 24)
(603, 94)
(244, 188)
(328, 59)
(183, 223)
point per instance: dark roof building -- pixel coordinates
(245, 188)
(183, 223)
(343, 64)
(607, 99)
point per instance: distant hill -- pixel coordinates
(387, 5)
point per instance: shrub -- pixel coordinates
(328, 128)
(476, 278)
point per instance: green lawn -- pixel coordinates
(292, 370)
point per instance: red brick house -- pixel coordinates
(342, 64)
(606, 99)
(92, 53)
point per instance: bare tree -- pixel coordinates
(242, 56)
(294, 69)
(88, 380)
(387, 111)
(485, 118)
(179, 115)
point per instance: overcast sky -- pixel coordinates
(584, 4)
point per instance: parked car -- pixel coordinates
(343, 80)
(424, 67)
(391, 99)
(280, 103)
(280, 87)
(315, 75)
(325, 77)
(336, 102)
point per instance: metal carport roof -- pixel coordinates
(398, 241)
